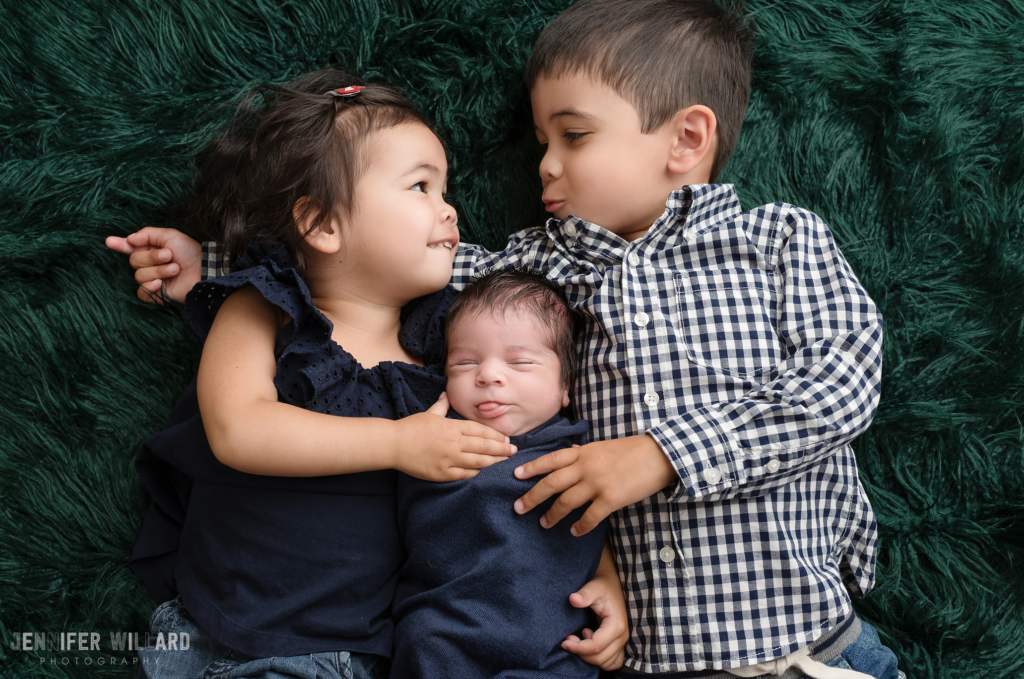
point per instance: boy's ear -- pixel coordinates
(565, 397)
(694, 141)
(326, 237)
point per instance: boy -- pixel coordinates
(484, 591)
(728, 358)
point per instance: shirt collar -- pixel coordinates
(691, 208)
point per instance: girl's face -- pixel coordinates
(402, 235)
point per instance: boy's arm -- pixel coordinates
(527, 249)
(169, 263)
(249, 430)
(818, 399)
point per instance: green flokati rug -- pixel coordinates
(900, 123)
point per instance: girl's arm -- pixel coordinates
(249, 430)
(603, 594)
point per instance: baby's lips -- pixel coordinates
(492, 408)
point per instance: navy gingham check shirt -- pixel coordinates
(744, 344)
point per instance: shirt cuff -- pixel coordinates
(702, 452)
(212, 266)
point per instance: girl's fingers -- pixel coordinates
(470, 461)
(548, 463)
(470, 428)
(488, 447)
(156, 272)
(440, 406)
(550, 485)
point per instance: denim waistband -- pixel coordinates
(830, 645)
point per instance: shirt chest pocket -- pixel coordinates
(728, 320)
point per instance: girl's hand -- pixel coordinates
(603, 595)
(163, 258)
(435, 448)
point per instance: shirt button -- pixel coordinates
(633, 259)
(773, 465)
(651, 399)
(642, 319)
(570, 230)
(712, 476)
(667, 554)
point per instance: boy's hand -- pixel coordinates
(163, 258)
(432, 447)
(603, 594)
(611, 474)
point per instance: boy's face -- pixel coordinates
(598, 165)
(502, 372)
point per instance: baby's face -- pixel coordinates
(597, 164)
(502, 372)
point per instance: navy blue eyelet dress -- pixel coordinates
(273, 566)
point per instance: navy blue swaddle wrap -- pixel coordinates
(274, 566)
(485, 592)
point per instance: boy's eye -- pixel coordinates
(573, 137)
(419, 186)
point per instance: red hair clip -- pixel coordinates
(346, 91)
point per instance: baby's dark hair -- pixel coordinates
(511, 290)
(660, 55)
(292, 153)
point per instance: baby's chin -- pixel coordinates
(504, 424)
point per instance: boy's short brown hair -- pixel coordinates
(512, 290)
(661, 55)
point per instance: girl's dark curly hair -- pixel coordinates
(291, 153)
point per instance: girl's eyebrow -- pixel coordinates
(430, 167)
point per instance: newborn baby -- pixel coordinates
(485, 592)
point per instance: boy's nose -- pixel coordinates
(550, 167)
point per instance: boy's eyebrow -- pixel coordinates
(571, 112)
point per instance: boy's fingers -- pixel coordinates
(119, 245)
(152, 273)
(595, 514)
(575, 496)
(548, 463)
(150, 236)
(552, 484)
(150, 293)
(143, 258)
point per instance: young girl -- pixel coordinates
(275, 525)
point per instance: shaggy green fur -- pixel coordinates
(901, 123)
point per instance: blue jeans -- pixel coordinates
(864, 653)
(199, 656)
(867, 654)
